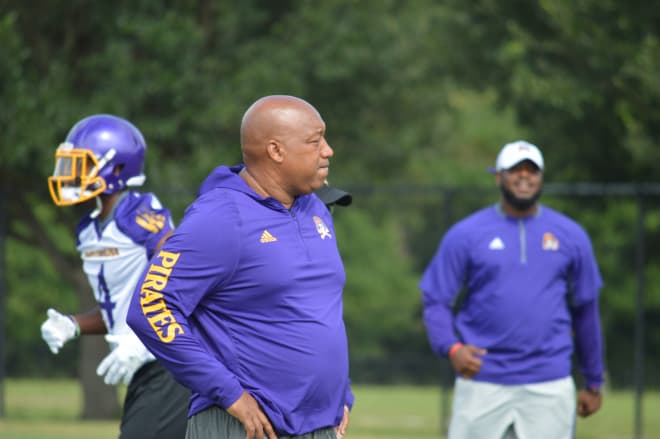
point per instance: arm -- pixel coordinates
(585, 317)
(91, 322)
(588, 344)
(200, 255)
(440, 284)
(159, 316)
(440, 326)
(176, 281)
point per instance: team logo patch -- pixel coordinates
(150, 220)
(321, 228)
(550, 242)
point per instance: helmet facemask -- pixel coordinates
(76, 176)
(102, 154)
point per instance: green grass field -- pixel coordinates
(37, 409)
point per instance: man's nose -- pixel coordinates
(327, 149)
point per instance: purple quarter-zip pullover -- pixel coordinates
(531, 284)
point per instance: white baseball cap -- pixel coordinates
(516, 152)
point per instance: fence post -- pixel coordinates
(639, 312)
(446, 380)
(4, 220)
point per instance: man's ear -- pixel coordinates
(275, 150)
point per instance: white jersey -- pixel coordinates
(116, 253)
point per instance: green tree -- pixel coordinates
(413, 93)
(581, 78)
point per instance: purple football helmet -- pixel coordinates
(102, 154)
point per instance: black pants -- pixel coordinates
(156, 406)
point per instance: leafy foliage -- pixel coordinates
(418, 98)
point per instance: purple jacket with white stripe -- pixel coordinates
(530, 283)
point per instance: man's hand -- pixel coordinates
(124, 360)
(465, 360)
(341, 428)
(58, 329)
(247, 411)
(588, 402)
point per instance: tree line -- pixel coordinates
(419, 95)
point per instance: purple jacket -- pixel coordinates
(531, 284)
(247, 296)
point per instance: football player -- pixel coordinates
(102, 158)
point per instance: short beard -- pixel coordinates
(520, 204)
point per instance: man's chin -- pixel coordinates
(322, 176)
(318, 186)
(519, 201)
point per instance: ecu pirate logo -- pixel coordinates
(321, 228)
(150, 220)
(550, 242)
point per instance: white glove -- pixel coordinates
(58, 329)
(124, 360)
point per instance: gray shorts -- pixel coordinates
(215, 423)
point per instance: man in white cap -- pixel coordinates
(532, 285)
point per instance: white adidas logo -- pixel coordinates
(496, 244)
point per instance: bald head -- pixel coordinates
(271, 117)
(284, 148)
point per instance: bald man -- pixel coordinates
(243, 304)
